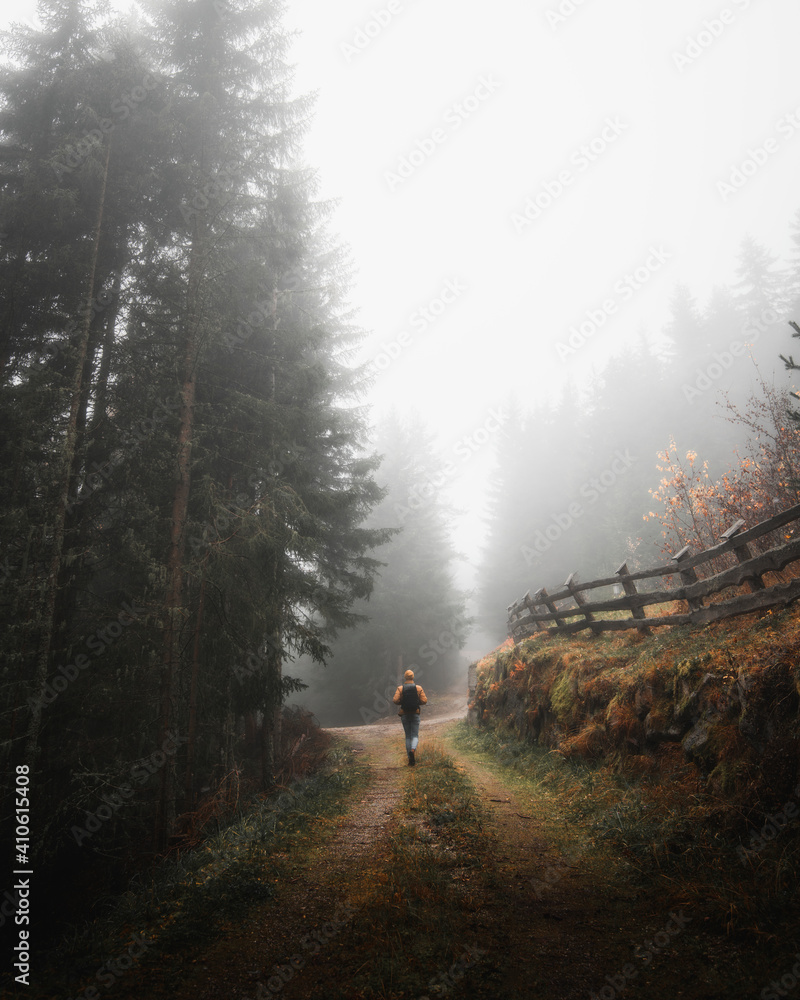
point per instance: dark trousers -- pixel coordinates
(411, 727)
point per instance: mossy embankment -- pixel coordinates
(689, 744)
(718, 706)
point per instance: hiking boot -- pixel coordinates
(411, 761)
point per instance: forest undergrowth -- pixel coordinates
(187, 899)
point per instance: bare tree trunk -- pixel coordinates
(77, 533)
(271, 723)
(278, 710)
(192, 733)
(174, 597)
(99, 412)
(67, 459)
(267, 755)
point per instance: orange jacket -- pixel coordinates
(423, 698)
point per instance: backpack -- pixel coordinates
(409, 698)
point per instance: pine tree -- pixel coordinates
(685, 330)
(509, 564)
(761, 297)
(59, 161)
(792, 277)
(791, 365)
(415, 617)
(200, 488)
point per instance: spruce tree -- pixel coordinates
(198, 482)
(415, 617)
(761, 296)
(510, 563)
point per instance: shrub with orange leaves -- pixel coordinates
(695, 510)
(517, 670)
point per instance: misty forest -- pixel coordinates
(218, 562)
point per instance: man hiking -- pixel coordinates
(409, 696)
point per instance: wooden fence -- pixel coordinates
(541, 612)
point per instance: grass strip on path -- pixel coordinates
(413, 931)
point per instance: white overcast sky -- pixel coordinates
(557, 84)
(535, 83)
(696, 89)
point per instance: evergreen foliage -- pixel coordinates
(415, 617)
(186, 491)
(562, 501)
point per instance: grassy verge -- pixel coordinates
(664, 840)
(412, 930)
(683, 753)
(592, 795)
(188, 900)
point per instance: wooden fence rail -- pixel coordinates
(540, 612)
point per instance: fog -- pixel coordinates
(564, 220)
(523, 191)
(299, 395)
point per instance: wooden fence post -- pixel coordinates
(580, 600)
(526, 604)
(743, 553)
(527, 600)
(472, 684)
(630, 589)
(688, 577)
(529, 604)
(514, 626)
(542, 597)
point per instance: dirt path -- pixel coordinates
(549, 927)
(567, 921)
(383, 747)
(550, 916)
(552, 925)
(314, 910)
(561, 923)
